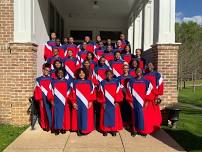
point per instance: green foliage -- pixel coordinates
(190, 54)
(9, 133)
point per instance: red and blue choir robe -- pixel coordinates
(43, 94)
(139, 91)
(141, 63)
(48, 49)
(82, 55)
(100, 73)
(90, 47)
(132, 72)
(71, 64)
(124, 43)
(82, 94)
(61, 89)
(52, 74)
(154, 109)
(93, 64)
(109, 56)
(117, 67)
(127, 57)
(125, 107)
(52, 60)
(99, 53)
(61, 52)
(73, 48)
(110, 92)
(121, 50)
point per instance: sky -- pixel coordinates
(189, 10)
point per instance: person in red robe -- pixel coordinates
(139, 94)
(54, 57)
(82, 97)
(126, 55)
(91, 58)
(123, 40)
(71, 46)
(71, 64)
(57, 64)
(141, 61)
(133, 67)
(48, 46)
(61, 89)
(82, 54)
(110, 95)
(108, 54)
(153, 107)
(43, 95)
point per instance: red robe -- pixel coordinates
(154, 109)
(43, 95)
(139, 91)
(71, 65)
(117, 67)
(52, 60)
(73, 48)
(83, 118)
(61, 89)
(110, 95)
(48, 49)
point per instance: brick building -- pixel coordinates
(26, 24)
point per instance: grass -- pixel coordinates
(189, 129)
(188, 96)
(9, 133)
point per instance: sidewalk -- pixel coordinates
(40, 141)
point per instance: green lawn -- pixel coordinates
(189, 129)
(9, 133)
(188, 96)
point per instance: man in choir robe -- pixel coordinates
(108, 54)
(153, 108)
(133, 67)
(126, 55)
(82, 54)
(139, 92)
(141, 61)
(65, 43)
(117, 64)
(125, 107)
(61, 51)
(100, 70)
(82, 97)
(71, 46)
(90, 45)
(43, 95)
(71, 64)
(54, 57)
(61, 88)
(48, 46)
(119, 47)
(123, 40)
(110, 96)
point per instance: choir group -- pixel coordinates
(97, 85)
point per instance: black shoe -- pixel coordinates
(62, 131)
(105, 134)
(143, 135)
(133, 134)
(57, 132)
(113, 134)
(79, 133)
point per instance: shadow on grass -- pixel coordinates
(187, 140)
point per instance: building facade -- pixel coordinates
(25, 26)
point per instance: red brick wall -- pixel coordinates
(165, 58)
(17, 68)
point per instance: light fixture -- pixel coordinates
(95, 5)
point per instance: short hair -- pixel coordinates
(99, 61)
(117, 52)
(139, 50)
(109, 71)
(79, 71)
(46, 65)
(93, 56)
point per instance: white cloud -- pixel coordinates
(197, 19)
(179, 18)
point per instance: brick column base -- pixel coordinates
(165, 59)
(20, 76)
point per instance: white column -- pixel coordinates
(23, 20)
(148, 20)
(138, 31)
(130, 36)
(164, 21)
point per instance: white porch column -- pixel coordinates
(138, 32)
(148, 20)
(22, 20)
(130, 36)
(164, 21)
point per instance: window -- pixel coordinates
(79, 35)
(114, 35)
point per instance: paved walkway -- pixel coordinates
(40, 141)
